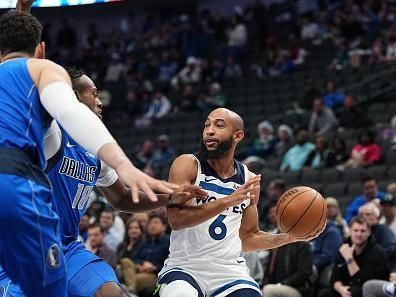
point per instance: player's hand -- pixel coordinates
(137, 181)
(24, 5)
(310, 237)
(244, 192)
(186, 193)
(344, 291)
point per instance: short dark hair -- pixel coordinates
(96, 225)
(19, 32)
(368, 178)
(75, 75)
(359, 220)
(160, 217)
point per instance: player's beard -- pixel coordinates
(218, 153)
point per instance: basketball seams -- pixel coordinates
(319, 221)
(280, 216)
(306, 210)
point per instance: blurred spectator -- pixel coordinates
(358, 260)
(144, 154)
(133, 237)
(167, 68)
(391, 50)
(265, 143)
(381, 288)
(116, 70)
(334, 215)
(310, 93)
(377, 52)
(163, 155)
(142, 218)
(112, 238)
(297, 155)
(237, 37)
(232, 69)
(338, 154)
(309, 29)
(370, 193)
(83, 228)
(352, 117)
(365, 152)
(132, 105)
(388, 211)
(326, 245)
(318, 158)
(389, 134)
(391, 189)
(188, 100)
(159, 107)
(97, 245)
(382, 234)
(214, 100)
(190, 74)
(333, 98)
(141, 273)
(274, 191)
(285, 140)
(322, 121)
(289, 271)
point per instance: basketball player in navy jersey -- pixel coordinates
(73, 173)
(209, 234)
(32, 91)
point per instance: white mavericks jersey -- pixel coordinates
(217, 238)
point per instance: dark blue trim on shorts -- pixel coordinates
(175, 275)
(18, 162)
(234, 283)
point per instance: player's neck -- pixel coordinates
(224, 167)
(14, 56)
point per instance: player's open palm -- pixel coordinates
(246, 191)
(137, 181)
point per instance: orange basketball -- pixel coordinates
(301, 212)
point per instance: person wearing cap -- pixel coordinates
(388, 211)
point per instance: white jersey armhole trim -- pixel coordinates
(199, 170)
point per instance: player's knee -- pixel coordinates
(110, 290)
(178, 288)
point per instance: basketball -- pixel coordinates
(301, 212)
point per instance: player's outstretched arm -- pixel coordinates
(58, 98)
(254, 239)
(120, 197)
(24, 5)
(183, 172)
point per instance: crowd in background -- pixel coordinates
(148, 69)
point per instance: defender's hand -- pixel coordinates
(186, 193)
(137, 181)
(24, 5)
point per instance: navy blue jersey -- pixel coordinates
(23, 120)
(73, 173)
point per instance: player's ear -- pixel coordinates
(238, 136)
(78, 97)
(40, 51)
